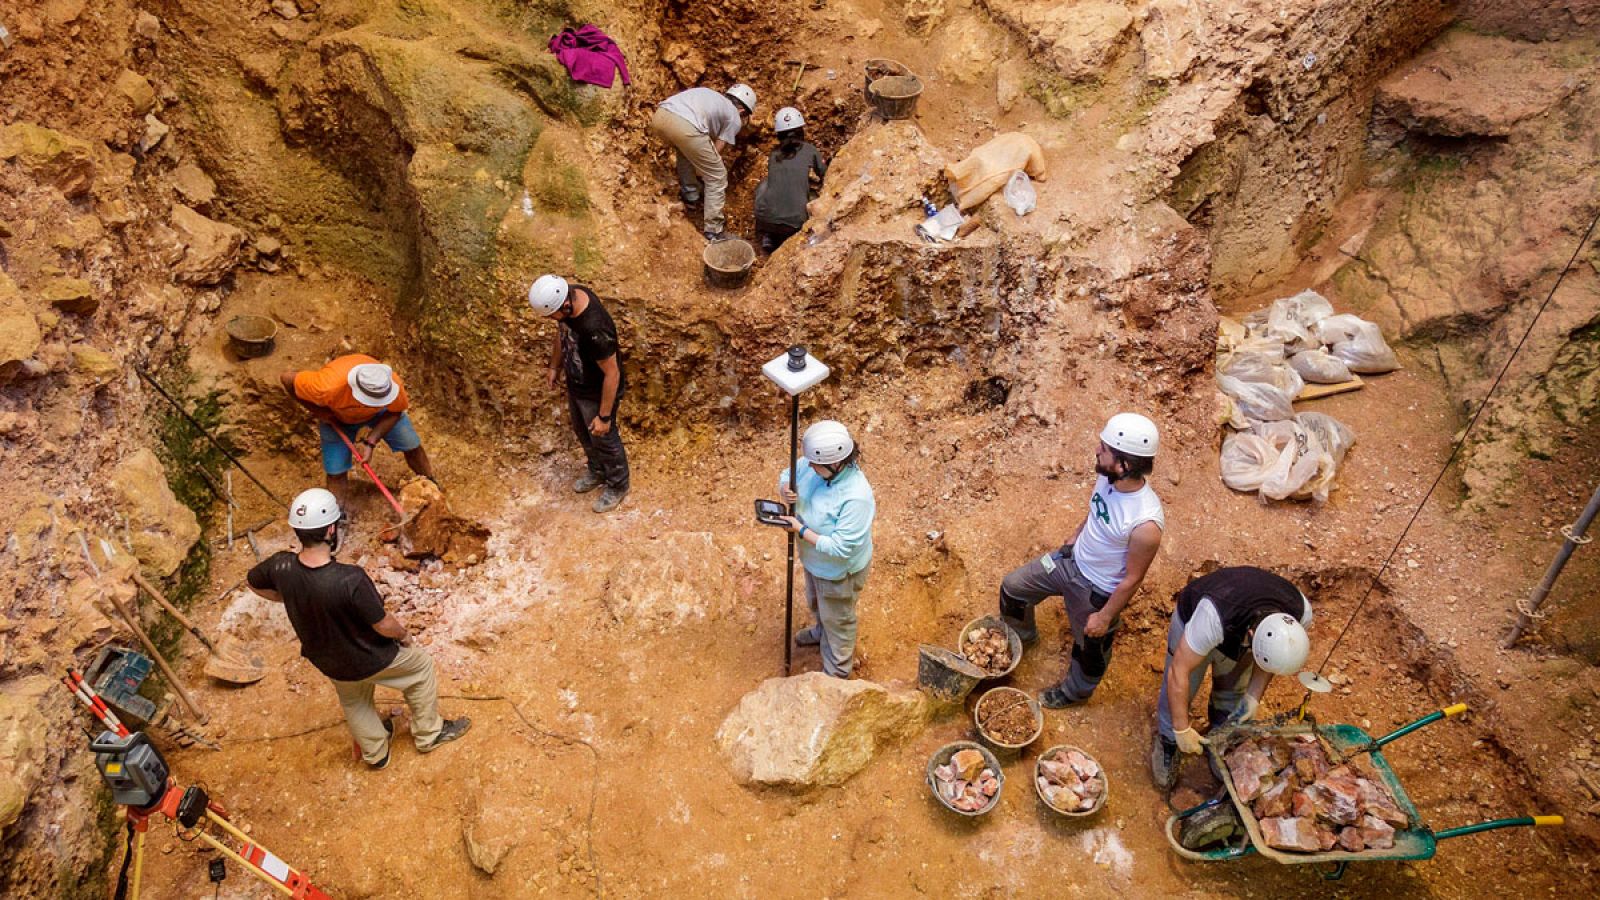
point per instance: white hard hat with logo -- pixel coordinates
(827, 442)
(1281, 644)
(1131, 433)
(312, 509)
(744, 94)
(547, 294)
(788, 119)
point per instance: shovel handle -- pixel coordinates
(1448, 712)
(398, 510)
(1491, 825)
(183, 620)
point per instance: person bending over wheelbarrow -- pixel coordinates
(355, 393)
(1215, 618)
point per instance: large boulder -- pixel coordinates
(1079, 40)
(1472, 85)
(161, 529)
(48, 155)
(22, 746)
(815, 730)
(211, 248)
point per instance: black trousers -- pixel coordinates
(608, 460)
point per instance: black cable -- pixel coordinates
(1460, 443)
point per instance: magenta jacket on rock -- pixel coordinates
(590, 56)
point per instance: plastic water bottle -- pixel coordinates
(928, 208)
(527, 205)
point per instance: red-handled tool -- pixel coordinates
(397, 530)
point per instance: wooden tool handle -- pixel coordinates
(183, 620)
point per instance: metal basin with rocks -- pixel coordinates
(727, 263)
(1061, 750)
(942, 756)
(1004, 701)
(895, 96)
(1013, 642)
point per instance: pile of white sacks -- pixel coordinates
(1263, 363)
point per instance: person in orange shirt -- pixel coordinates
(352, 393)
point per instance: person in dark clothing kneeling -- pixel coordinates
(782, 196)
(346, 633)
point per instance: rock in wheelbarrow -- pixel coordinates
(945, 676)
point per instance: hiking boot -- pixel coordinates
(586, 482)
(1056, 698)
(609, 499)
(1163, 762)
(453, 728)
(811, 637)
(388, 725)
(689, 196)
(713, 237)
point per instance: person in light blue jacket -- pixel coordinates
(833, 507)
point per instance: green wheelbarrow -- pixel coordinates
(1414, 842)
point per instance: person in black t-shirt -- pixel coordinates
(586, 352)
(347, 634)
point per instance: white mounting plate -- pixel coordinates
(794, 382)
(1314, 682)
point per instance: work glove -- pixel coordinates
(1189, 741)
(1244, 711)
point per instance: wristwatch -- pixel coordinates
(605, 418)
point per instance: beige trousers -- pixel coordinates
(411, 674)
(696, 156)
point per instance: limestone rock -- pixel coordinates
(94, 364)
(490, 831)
(814, 730)
(138, 91)
(22, 746)
(1472, 85)
(1010, 79)
(437, 531)
(19, 330)
(59, 159)
(194, 185)
(1078, 39)
(73, 295)
(286, 9)
(211, 248)
(147, 26)
(155, 131)
(162, 529)
(970, 51)
(685, 61)
(1170, 38)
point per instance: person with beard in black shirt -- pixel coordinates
(346, 633)
(586, 353)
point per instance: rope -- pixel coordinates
(1456, 450)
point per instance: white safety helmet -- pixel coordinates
(788, 119)
(1281, 644)
(744, 94)
(1130, 433)
(547, 294)
(313, 509)
(827, 442)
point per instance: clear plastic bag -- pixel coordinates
(1258, 400)
(1367, 352)
(1293, 320)
(1337, 329)
(1246, 458)
(1336, 437)
(1300, 458)
(1019, 193)
(1319, 367)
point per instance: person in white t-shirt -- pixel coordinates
(698, 124)
(1099, 570)
(1244, 625)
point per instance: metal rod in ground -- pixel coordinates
(208, 436)
(788, 571)
(1574, 538)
